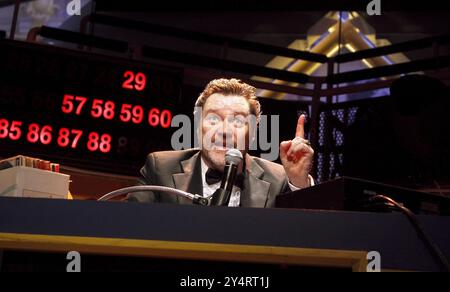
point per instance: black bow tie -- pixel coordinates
(214, 176)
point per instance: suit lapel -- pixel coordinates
(190, 180)
(256, 190)
(255, 193)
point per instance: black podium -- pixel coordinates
(353, 194)
(176, 237)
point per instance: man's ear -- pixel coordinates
(252, 132)
(198, 121)
(198, 135)
(253, 135)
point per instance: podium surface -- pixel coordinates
(309, 238)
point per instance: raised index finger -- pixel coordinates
(300, 132)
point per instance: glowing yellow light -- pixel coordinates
(350, 48)
(312, 69)
(333, 51)
(367, 63)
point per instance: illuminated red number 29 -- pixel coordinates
(134, 81)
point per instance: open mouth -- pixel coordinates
(222, 145)
(219, 147)
(219, 144)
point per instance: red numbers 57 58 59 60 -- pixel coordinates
(126, 113)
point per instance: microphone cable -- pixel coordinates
(196, 199)
(432, 247)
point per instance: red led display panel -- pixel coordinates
(84, 109)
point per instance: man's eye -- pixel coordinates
(239, 122)
(212, 119)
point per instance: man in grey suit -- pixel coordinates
(226, 105)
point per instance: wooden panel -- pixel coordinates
(356, 260)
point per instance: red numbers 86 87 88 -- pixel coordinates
(64, 137)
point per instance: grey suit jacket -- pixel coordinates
(263, 179)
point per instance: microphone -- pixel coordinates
(221, 196)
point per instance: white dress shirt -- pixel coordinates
(208, 190)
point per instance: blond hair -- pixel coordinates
(231, 87)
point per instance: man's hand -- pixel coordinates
(296, 156)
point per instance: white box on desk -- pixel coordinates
(30, 182)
